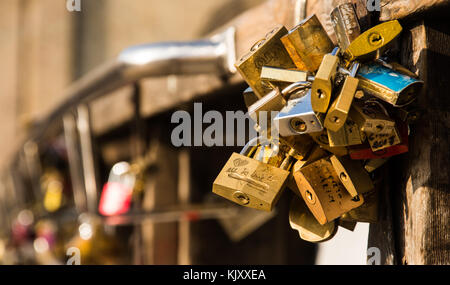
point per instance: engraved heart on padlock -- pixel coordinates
(239, 162)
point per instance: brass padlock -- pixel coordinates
(321, 138)
(368, 212)
(388, 85)
(379, 141)
(373, 41)
(302, 145)
(352, 174)
(269, 51)
(298, 117)
(349, 134)
(338, 112)
(274, 76)
(345, 24)
(323, 82)
(307, 43)
(372, 118)
(249, 97)
(323, 192)
(301, 219)
(250, 183)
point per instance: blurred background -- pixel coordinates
(49, 206)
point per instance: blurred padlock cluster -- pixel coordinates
(328, 117)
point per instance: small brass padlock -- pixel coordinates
(345, 24)
(372, 118)
(352, 174)
(323, 82)
(373, 41)
(338, 112)
(269, 51)
(251, 183)
(323, 192)
(349, 134)
(307, 43)
(301, 219)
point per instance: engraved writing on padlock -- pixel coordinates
(352, 175)
(323, 83)
(307, 43)
(349, 134)
(379, 141)
(376, 39)
(324, 194)
(267, 52)
(345, 24)
(298, 117)
(388, 85)
(301, 219)
(365, 152)
(250, 183)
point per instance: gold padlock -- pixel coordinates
(345, 24)
(302, 144)
(352, 174)
(301, 219)
(372, 118)
(349, 134)
(269, 51)
(307, 43)
(250, 183)
(367, 212)
(274, 76)
(323, 82)
(373, 41)
(323, 192)
(338, 112)
(321, 138)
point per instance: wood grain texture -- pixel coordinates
(399, 9)
(422, 199)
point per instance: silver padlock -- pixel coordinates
(298, 117)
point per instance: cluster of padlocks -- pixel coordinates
(340, 112)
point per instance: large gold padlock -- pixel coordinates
(338, 112)
(373, 41)
(323, 192)
(345, 24)
(352, 174)
(269, 51)
(349, 134)
(307, 43)
(250, 183)
(301, 219)
(323, 82)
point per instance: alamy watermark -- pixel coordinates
(73, 5)
(74, 255)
